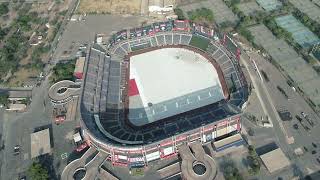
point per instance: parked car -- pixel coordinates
(314, 145)
(304, 114)
(16, 150)
(296, 126)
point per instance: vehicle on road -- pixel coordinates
(16, 150)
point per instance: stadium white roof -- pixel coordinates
(174, 80)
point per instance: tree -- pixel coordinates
(37, 172)
(4, 99)
(179, 13)
(230, 171)
(63, 71)
(4, 8)
(253, 160)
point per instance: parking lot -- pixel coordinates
(294, 66)
(84, 31)
(220, 10)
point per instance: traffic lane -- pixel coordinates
(18, 127)
(266, 104)
(296, 102)
(301, 137)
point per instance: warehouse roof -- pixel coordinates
(40, 143)
(275, 160)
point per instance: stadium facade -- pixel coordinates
(205, 114)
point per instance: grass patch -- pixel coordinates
(199, 42)
(137, 171)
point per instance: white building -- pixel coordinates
(161, 6)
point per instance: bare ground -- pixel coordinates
(110, 6)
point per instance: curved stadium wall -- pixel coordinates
(210, 122)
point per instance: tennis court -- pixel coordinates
(269, 5)
(301, 34)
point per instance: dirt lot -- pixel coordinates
(110, 6)
(22, 76)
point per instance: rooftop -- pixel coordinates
(40, 143)
(169, 73)
(275, 160)
(170, 81)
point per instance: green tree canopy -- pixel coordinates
(63, 71)
(37, 172)
(4, 9)
(201, 14)
(4, 98)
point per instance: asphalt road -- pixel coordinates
(17, 128)
(272, 100)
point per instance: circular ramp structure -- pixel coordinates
(197, 165)
(63, 91)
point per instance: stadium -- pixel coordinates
(155, 87)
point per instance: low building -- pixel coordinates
(275, 160)
(78, 71)
(16, 107)
(231, 141)
(18, 95)
(40, 143)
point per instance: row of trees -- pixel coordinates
(244, 21)
(254, 161)
(277, 30)
(307, 21)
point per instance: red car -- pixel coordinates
(60, 119)
(82, 147)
